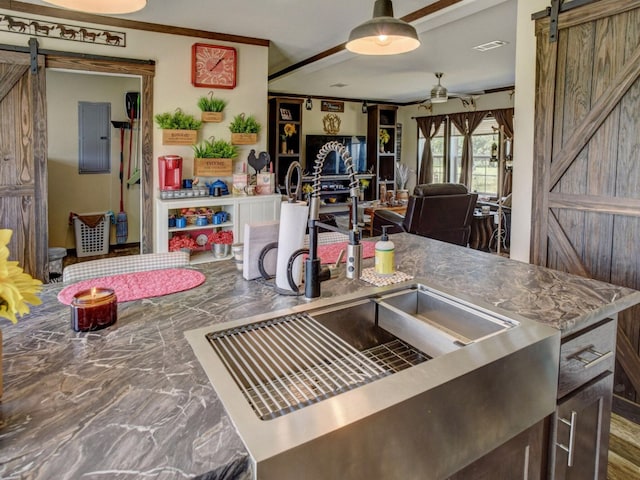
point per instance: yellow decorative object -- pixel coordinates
(331, 123)
(289, 129)
(16, 287)
(384, 136)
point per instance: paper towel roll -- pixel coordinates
(293, 226)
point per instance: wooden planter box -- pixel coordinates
(211, 167)
(244, 138)
(212, 117)
(179, 137)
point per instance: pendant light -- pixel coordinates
(101, 6)
(383, 34)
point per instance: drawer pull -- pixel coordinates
(572, 429)
(597, 356)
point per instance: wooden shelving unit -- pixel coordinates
(281, 112)
(381, 156)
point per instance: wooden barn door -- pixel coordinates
(586, 201)
(23, 165)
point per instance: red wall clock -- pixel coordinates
(213, 66)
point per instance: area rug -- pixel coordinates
(137, 285)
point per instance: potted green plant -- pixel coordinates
(214, 157)
(178, 128)
(211, 108)
(244, 130)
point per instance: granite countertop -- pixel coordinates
(132, 401)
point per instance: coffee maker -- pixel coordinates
(170, 172)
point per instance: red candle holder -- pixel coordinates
(93, 309)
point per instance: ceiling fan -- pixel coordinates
(440, 94)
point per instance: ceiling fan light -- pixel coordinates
(383, 34)
(101, 6)
(439, 94)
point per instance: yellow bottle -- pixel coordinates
(385, 252)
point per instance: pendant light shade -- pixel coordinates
(383, 34)
(101, 6)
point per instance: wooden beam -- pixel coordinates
(596, 203)
(416, 15)
(564, 248)
(12, 75)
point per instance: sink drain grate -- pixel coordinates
(287, 363)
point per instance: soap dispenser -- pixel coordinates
(385, 251)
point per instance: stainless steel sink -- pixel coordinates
(395, 382)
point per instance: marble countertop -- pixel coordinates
(132, 401)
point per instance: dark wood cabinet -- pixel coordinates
(579, 429)
(382, 130)
(580, 432)
(285, 135)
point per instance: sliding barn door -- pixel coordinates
(23, 166)
(586, 203)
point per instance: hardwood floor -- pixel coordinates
(624, 449)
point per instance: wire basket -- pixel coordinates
(91, 240)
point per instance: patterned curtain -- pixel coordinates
(504, 117)
(466, 123)
(429, 126)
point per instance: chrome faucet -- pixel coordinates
(314, 272)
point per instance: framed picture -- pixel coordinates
(285, 114)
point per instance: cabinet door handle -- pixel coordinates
(572, 429)
(598, 356)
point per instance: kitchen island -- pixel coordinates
(132, 401)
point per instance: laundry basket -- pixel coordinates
(92, 240)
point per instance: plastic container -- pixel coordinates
(385, 253)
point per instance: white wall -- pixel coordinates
(172, 83)
(524, 129)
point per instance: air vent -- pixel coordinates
(490, 45)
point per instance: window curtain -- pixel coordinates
(429, 126)
(504, 118)
(466, 123)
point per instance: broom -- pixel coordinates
(122, 227)
(133, 105)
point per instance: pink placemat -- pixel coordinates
(329, 253)
(133, 286)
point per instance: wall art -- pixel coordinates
(75, 33)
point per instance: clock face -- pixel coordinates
(213, 66)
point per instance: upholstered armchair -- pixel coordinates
(442, 211)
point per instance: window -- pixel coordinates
(484, 172)
(447, 161)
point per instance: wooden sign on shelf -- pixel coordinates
(211, 167)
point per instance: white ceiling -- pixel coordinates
(300, 29)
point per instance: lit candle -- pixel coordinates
(93, 309)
